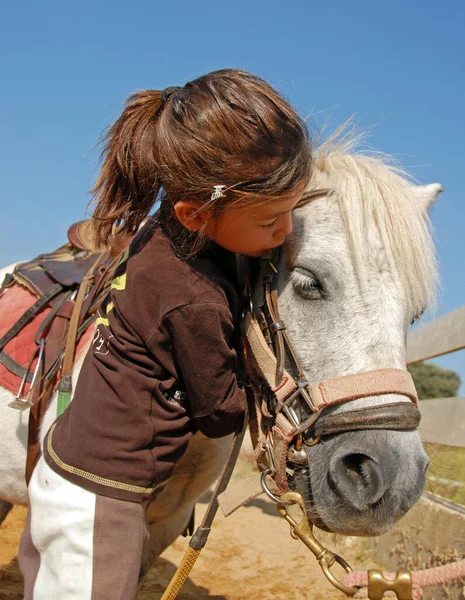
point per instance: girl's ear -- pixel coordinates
(191, 214)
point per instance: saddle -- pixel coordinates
(81, 236)
(69, 285)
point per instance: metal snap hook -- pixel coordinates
(304, 531)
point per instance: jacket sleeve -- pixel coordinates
(201, 337)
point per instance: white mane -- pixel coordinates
(370, 188)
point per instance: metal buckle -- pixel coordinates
(303, 392)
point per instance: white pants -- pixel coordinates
(78, 545)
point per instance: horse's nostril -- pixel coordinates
(358, 467)
(358, 479)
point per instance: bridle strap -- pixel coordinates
(398, 416)
(360, 385)
(278, 332)
(275, 330)
(264, 361)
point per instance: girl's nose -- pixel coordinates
(286, 225)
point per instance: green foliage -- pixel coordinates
(432, 381)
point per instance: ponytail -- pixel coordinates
(129, 180)
(225, 128)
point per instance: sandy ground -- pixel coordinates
(250, 555)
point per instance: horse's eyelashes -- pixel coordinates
(306, 283)
(307, 278)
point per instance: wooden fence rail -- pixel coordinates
(443, 420)
(442, 336)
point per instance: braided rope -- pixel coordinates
(450, 573)
(182, 573)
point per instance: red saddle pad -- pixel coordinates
(13, 303)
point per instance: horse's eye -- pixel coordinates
(306, 283)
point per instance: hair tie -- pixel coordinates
(218, 192)
(168, 92)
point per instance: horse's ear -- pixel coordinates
(427, 194)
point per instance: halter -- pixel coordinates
(290, 410)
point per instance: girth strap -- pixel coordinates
(15, 367)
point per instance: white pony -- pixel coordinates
(358, 268)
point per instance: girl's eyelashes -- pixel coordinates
(269, 224)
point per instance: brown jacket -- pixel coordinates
(163, 363)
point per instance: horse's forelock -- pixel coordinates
(372, 189)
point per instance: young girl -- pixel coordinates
(229, 159)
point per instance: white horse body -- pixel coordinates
(357, 269)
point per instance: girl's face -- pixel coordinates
(253, 230)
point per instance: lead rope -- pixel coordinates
(451, 573)
(199, 539)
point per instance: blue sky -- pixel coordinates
(66, 69)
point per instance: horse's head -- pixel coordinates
(358, 268)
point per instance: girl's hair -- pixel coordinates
(226, 128)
